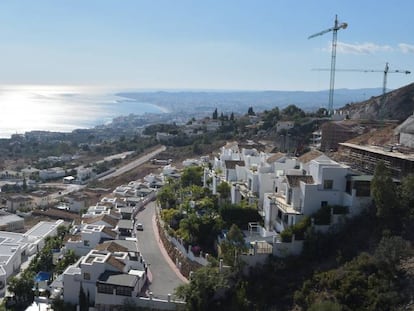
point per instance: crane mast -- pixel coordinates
(334, 30)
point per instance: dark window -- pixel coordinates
(362, 188)
(105, 289)
(124, 291)
(328, 184)
(348, 187)
(86, 276)
(324, 203)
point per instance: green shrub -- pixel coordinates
(341, 210)
(323, 216)
(286, 235)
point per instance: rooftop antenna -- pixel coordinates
(334, 30)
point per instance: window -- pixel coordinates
(124, 291)
(328, 184)
(86, 276)
(324, 203)
(105, 289)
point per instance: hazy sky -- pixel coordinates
(203, 44)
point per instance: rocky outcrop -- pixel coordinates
(394, 105)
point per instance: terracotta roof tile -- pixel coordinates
(294, 180)
(231, 164)
(309, 156)
(109, 232)
(111, 246)
(273, 158)
(105, 218)
(117, 264)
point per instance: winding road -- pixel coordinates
(165, 277)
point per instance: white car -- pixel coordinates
(140, 227)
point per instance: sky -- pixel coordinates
(204, 44)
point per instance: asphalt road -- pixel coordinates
(165, 279)
(125, 168)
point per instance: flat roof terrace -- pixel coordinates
(43, 228)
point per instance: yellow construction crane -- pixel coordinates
(334, 30)
(386, 71)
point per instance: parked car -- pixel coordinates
(140, 227)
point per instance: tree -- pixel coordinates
(322, 112)
(22, 287)
(293, 112)
(250, 111)
(61, 231)
(325, 305)
(83, 299)
(167, 197)
(233, 246)
(390, 251)
(215, 114)
(384, 193)
(189, 228)
(59, 305)
(407, 206)
(224, 189)
(69, 259)
(192, 176)
(201, 294)
(196, 148)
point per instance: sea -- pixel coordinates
(26, 108)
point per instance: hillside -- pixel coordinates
(396, 105)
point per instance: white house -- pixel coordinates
(14, 246)
(326, 183)
(76, 201)
(85, 237)
(19, 201)
(110, 273)
(52, 173)
(84, 173)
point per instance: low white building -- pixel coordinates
(111, 272)
(84, 173)
(52, 173)
(87, 236)
(19, 201)
(14, 246)
(325, 183)
(11, 222)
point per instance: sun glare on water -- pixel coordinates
(50, 108)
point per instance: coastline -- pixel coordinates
(130, 98)
(66, 110)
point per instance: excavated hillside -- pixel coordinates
(394, 105)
